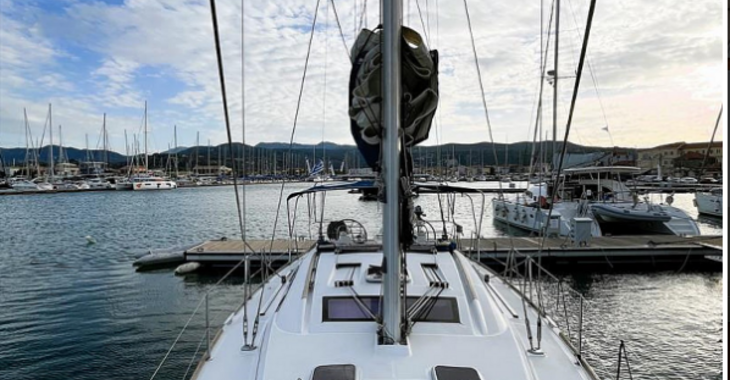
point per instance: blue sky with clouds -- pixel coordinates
(658, 67)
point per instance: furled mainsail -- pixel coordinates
(419, 92)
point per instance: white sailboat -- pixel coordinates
(598, 194)
(31, 165)
(709, 202)
(148, 181)
(406, 307)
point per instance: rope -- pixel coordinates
(178, 335)
(423, 24)
(291, 144)
(192, 358)
(593, 75)
(339, 26)
(247, 285)
(486, 109)
(221, 77)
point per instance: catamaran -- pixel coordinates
(408, 305)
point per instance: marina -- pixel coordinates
(331, 229)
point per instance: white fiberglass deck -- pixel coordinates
(293, 340)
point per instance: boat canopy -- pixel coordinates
(359, 185)
(366, 185)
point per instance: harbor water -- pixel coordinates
(73, 307)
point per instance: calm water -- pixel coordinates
(74, 309)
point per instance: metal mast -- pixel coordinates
(176, 166)
(146, 158)
(555, 79)
(392, 307)
(50, 147)
(104, 141)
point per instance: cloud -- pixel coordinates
(658, 67)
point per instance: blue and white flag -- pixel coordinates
(317, 168)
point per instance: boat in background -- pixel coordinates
(596, 193)
(151, 182)
(26, 185)
(709, 202)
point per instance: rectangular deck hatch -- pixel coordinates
(349, 309)
(334, 372)
(455, 373)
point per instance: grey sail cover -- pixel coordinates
(419, 91)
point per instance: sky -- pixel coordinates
(655, 69)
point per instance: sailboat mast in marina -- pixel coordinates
(408, 305)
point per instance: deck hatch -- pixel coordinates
(455, 373)
(334, 372)
(348, 309)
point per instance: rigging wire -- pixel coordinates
(423, 23)
(339, 26)
(576, 87)
(594, 78)
(543, 67)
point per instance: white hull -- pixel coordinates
(709, 203)
(31, 186)
(127, 186)
(154, 185)
(533, 219)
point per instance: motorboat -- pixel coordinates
(709, 202)
(619, 210)
(26, 185)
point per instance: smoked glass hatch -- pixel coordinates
(350, 309)
(334, 372)
(455, 373)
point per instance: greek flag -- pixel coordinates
(317, 168)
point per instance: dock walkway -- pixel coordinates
(615, 249)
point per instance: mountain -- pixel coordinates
(17, 155)
(272, 156)
(296, 146)
(175, 150)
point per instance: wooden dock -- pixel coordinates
(635, 250)
(232, 251)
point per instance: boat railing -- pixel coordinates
(564, 308)
(555, 301)
(204, 325)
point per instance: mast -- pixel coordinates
(88, 157)
(126, 151)
(146, 158)
(104, 140)
(176, 168)
(27, 144)
(61, 154)
(392, 306)
(555, 80)
(50, 146)
(709, 145)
